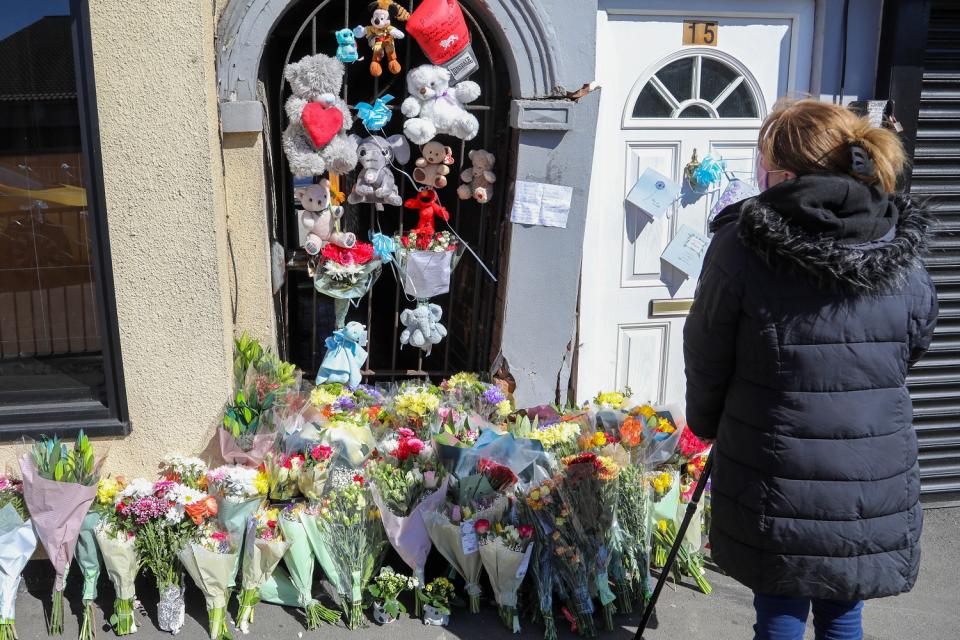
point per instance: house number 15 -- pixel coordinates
(700, 32)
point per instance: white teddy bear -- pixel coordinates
(435, 107)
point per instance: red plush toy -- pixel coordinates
(429, 206)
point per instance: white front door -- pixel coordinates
(660, 101)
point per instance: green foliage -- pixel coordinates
(55, 461)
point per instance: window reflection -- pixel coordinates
(49, 334)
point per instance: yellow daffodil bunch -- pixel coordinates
(416, 403)
(661, 483)
(610, 400)
(557, 435)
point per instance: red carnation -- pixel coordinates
(482, 526)
(358, 479)
(360, 253)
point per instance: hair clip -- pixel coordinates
(860, 161)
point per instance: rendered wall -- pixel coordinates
(163, 178)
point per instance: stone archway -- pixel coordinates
(527, 38)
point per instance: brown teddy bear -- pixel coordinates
(478, 180)
(434, 167)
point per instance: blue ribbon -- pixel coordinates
(383, 246)
(709, 171)
(375, 116)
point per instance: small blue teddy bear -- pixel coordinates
(346, 46)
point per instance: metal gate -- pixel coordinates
(935, 381)
(305, 317)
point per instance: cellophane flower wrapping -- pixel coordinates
(239, 492)
(351, 530)
(17, 544)
(590, 489)
(164, 517)
(541, 566)
(57, 510)
(264, 548)
(120, 560)
(632, 536)
(426, 274)
(283, 471)
(403, 484)
(554, 525)
(210, 558)
(468, 398)
(414, 405)
(455, 538)
(505, 552)
(299, 564)
(88, 559)
(318, 461)
(262, 381)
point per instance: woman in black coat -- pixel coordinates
(812, 306)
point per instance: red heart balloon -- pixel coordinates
(321, 123)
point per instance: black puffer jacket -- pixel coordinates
(811, 307)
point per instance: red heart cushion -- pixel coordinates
(322, 123)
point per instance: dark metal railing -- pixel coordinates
(306, 317)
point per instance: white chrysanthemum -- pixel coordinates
(138, 488)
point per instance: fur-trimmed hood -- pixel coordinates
(834, 230)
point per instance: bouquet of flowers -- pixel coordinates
(261, 379)
(318, 460)
(18, 541)
(386, 588)
(263, 550)
(351, 532)
(589, 488)
(453, 531)
(239, 492)
(425, 273)
(185, 470)
(415, 406)
(346, 274)
(403, 484)
(466, 394)
(299, 562)
(118, 548)
(163, 517)
(533, 500)
(283, 474)
(88, 552)
(59, 485)
(211, 559)
(505, 552)
(554, 526)
(436, 602)
(559, 437)
(630, 563)
(691, 563)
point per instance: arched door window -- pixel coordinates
(304, 317)
(696, 85)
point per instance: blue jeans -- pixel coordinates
(780, 618)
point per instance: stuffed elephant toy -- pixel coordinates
(375, 183)
(422, 328)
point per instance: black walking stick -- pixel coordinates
(675, 549)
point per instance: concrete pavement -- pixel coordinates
(930, 612)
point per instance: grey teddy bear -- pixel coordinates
(315, 140)
(375, 183)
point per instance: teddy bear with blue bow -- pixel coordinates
(345, 356)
